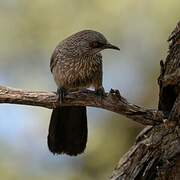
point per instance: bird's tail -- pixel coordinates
(68, 130)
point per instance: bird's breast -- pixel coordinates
(77, 72)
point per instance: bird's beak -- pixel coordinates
(110, 46)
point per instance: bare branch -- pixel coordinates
(112, 101)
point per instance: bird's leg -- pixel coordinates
(100, 91)
(61, 93)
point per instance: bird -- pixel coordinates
(76, 63)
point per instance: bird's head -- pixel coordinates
(88, 42)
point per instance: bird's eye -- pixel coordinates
(95, 44)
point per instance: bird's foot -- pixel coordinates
(100, 92)
(61, 93)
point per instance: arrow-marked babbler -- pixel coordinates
(75, 63)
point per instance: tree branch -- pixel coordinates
(112, 101)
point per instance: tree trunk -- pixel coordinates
(156, 152)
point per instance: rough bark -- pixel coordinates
(156, 153)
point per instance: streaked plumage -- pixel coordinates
(75, 63)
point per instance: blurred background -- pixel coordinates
(29, 32)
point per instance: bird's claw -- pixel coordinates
(61, 93)
(100, 91)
